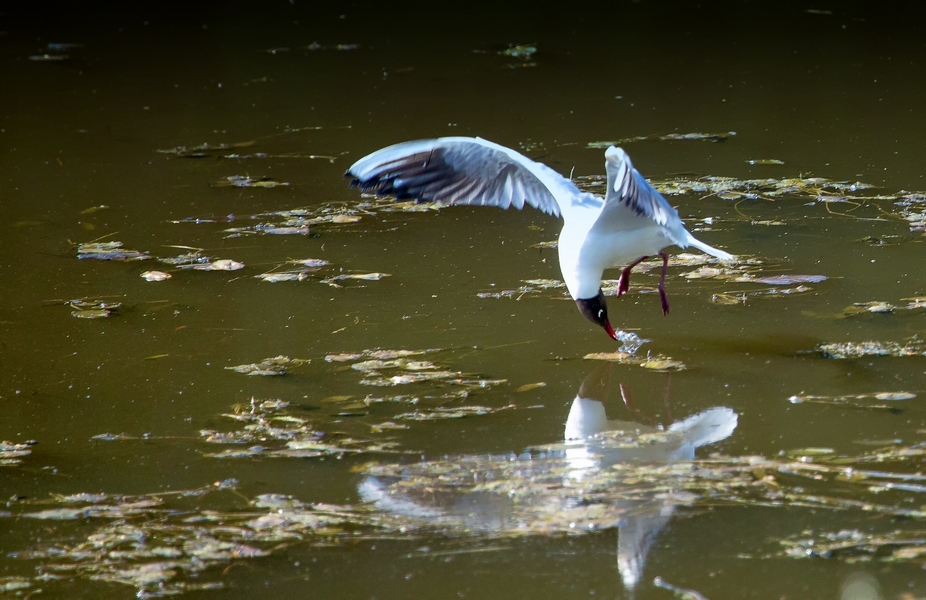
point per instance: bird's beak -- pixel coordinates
(610, 330)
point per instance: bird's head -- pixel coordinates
(596, 311)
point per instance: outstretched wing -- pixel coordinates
(628, 188)
(463, 171)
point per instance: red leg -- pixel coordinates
(662, 284)
(623, 284)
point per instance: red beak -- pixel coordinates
(610, 330)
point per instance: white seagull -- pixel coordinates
(630, 224)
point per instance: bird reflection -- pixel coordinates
(587, 418)
(593, 448)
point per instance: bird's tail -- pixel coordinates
(693, 241)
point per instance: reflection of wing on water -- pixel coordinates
(587, 454)
(571, 486)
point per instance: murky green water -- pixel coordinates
(488, 502)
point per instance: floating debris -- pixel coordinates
(155, 276)
(815, 189)
(853, 545)
(159, 543)
(299, 220)
(765, 161)
(49, 57)
(520, 51)
(654, 362)
(527, 387)
(271, 431)
(530, 287)
(669, 137)
(870, 348)
(223, 264)
(109, 251)
(270, 366)
(789, 279)
(859, 401)
(458, 412)
(377, 354)
(912, 208)
(339, 47)
(681, 593)
(552, 245)
(879, 307)
(89, 308)
(662, 364)
(311, 262)
(11, 453)
(246, 181)
(203, 150)
(278, 276)
(390, 368)
(355, 277)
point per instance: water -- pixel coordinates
(831, 95)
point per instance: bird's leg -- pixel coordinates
(623, 284)
(662, 284)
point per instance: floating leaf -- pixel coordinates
(790, 279)
(278, 276)
(670, 137)
(458, 412)
(870, 348)
(109, 251)
(11, 454)
(245, 181)
(311, 262)
(270, 366)
(155, 276)
(662, 364)
(860, 401)
(90, 308)
(355, 276)
(218, 265)
(530, 386)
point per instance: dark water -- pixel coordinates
(833, 92)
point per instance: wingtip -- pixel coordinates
(615, 153)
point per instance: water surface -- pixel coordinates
(832, 92)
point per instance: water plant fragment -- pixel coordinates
(246, 181)
(270, 366)
(155, 276)
(842, 350)
(12, 453)
(109, 251)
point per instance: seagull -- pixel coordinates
(630, 224)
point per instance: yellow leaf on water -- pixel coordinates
(531, 386)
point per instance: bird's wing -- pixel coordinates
(631, 202)
(466, 171)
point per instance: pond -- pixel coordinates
(225, 373)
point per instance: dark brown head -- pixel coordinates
(596, 311)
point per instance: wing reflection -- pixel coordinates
(606, 474)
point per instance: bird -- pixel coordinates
(631, 223)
